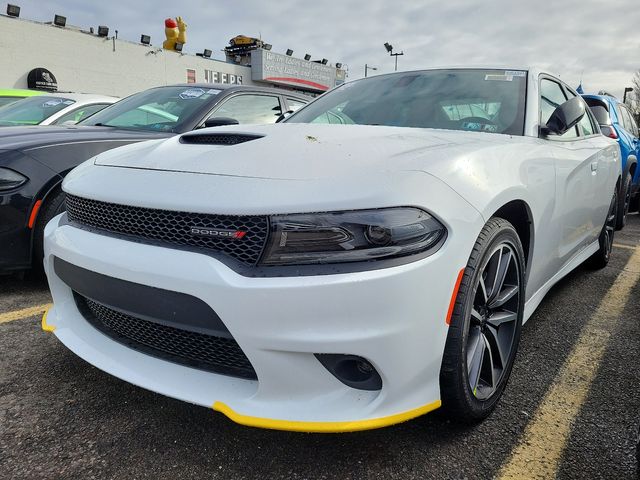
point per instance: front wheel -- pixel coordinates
(485, 326)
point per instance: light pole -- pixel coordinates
(390, 50)
(367, 67)
(624, 97)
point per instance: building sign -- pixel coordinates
(267, 66)
(220, 77)
(42, 79)
(191, 75)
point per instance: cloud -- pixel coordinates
(570, 38)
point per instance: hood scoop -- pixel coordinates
(218, 138)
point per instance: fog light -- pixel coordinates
(352, 370)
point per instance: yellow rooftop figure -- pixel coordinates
(176, 32)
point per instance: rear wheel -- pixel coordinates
(53, 205)
(485, 326)
(600, 259)
(624, 202)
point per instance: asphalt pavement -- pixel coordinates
(62, 418)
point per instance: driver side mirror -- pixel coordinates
(220, 121)
(565, 117)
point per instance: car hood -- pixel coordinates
(25, 138)
(299, 151)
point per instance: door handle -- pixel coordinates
(594, 167)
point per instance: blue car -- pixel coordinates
(616, 121)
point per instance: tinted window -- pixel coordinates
(601, 114)
(250, 109)
(551, 97)
(473, 100)
(32, 110)
(164, 109)
(81, 113)
(7, 100)
(629, 122)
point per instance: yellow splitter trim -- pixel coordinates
(324, 427)
(45, 326)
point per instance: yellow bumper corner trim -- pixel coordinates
(324, 427)
(45, 326)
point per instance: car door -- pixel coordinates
(575, 161)
(250, 108)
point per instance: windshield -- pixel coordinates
(7, 100)
(163, 109)
(32, 110)
(473, 100)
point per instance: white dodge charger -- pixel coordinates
(364, 262)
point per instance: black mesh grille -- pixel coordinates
(174, 228)
(198, 350)
(217, 138)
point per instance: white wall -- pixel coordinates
(86, 63)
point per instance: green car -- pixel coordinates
(11, 95)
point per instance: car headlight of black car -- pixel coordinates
(10, 179)
(351, 236)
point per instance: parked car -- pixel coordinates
(617, 122)
(367, 260)
(34, 160)
(11, 95)
(68, 108)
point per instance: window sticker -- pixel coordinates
(499, 78)
(192, 93)
(213, 91)
(480, 127)
(68, 102)
(52, 103)
(516, 73)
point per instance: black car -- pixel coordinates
(34, 160)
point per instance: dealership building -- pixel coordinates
(98, 62)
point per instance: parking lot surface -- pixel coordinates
(571, 409)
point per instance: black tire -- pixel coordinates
(624, 202)
(460, 401)
(634, 206)
(52, 206)
(600, 259)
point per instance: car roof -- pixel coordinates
(20, 92)
(82, 97)
(251, 88)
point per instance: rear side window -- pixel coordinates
(629, 122)
(257, 109)
(295, 104)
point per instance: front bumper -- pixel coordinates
(393, 317)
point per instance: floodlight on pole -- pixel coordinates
(389, 48)
(368, 67)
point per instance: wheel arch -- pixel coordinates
(632, 165)
(518, 213)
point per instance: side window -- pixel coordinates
(80, 113)
(551, 97)
(629, 122)
(250, 109)
(295, 104)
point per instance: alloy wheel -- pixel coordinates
(609, 229)
(493, 321)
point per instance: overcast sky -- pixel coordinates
(568, 37)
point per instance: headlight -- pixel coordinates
(351, 236)
(10, 179)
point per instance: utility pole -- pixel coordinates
(367, 67)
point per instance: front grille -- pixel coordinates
(198, 350)
(168, 227)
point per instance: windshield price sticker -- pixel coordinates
(52, 103)
(192, 93)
